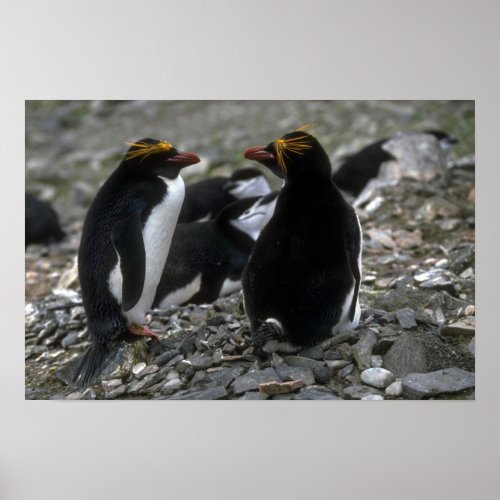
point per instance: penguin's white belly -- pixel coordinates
(345, 324)
(181, 295)
(157, 235)
(230, 286)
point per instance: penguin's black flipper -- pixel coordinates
(354, 264)
(129, 244)
(92, 364)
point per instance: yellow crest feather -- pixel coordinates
(145, 149)
(295, 145)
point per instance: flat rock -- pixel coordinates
(359, 391)
(377, 377)
(303, 362)
(225, 376)
(406, 318)
(362, 350)
(251, 381)
(315, 352)
(316, 393)
(447, 381)
(372, 397)
(280, 387)
(210, 393)
(407, 355)
(296, 373)
(466, 328)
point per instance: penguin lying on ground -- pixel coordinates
(41, 224)
(302, 280)
(124, 246)
(206, 259)
(358, 169)
(206, 198)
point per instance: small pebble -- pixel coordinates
(377, 377)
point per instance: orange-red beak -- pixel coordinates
(182, 159)
(258, 153)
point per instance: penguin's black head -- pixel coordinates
(154, 157)
(441, 136)
(292, 154)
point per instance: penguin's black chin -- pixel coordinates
(182, 160)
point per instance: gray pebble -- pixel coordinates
(347, 370)
(322, 374)
(359, 391)
(251, 381)
(110, 385)
(138, 368)
(395, 389)
(315, 393)
(305, 375)
(315, 352)
(172, 386)
(206, 394)
(377, 377)
(362, 350)
(119, 391)
(406, 318)
(303, 362)
(372, 397)
(70, 339)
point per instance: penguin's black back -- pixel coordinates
(355, 172)
(299, 270)
(213, 248)
(120, 196)
(41, 224)
(205, 198)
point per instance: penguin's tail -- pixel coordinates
(92, 364)
(267, 330)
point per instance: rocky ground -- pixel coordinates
(416, 338)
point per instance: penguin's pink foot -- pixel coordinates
(144, 330)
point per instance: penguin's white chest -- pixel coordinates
(157, 235)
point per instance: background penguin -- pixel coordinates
(302, 280)
(41, 224)
(358, 169)
(206, 198)
(206, 259)
(124, 246)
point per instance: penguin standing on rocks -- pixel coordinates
(302, 280)
(124, 246)
(206, 259)
(205, 199)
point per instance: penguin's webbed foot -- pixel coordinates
(143, 330)
(267, 330)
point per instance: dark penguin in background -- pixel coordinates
(41, 224)
(302, 280)
(358, 169)
(206, 198)
(124, 246)
(206, 259)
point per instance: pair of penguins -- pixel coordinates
(301, 281)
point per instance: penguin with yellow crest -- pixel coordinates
(302, 280)
(124, 246)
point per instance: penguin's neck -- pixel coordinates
(238, 238)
